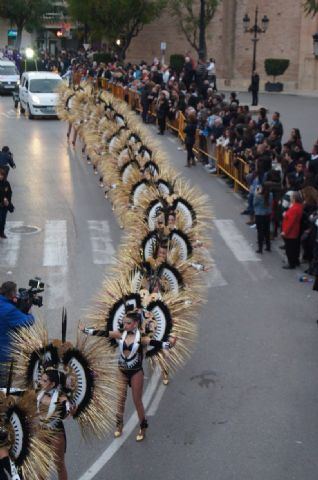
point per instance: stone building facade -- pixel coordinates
(289, 35)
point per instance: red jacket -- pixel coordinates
(291, 221)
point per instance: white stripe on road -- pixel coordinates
(129, 427)
(10, 248)
(57, 290)
(215, 278)
(102, 247)
(155, 403)
(55, 257)
(55, 244)
(235, 241)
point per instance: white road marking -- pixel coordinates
(10, 248)
(212, 277)
(55, 257)
(55, 243)
(235, 241)
(215, 278)
(129, 427)
(155, 403)
(57, 291)
(102, 247)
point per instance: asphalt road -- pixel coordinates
(245, 406)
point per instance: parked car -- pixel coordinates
(9, 76)
(38, 93)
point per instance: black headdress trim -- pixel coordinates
(110, 318)
(150, 236)
(144, 149)
(25, 428)
(168, 319)
(167, 184)
(153, 202)
(89, 374)
(135, 136)
(37, 356)
(151, 164)
(136, 185)
(184, 237)
(116, 133)
(130, 162)
(187, 204)
(174, 270)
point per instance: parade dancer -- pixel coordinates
(131, 344)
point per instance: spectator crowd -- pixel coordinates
(283, 176)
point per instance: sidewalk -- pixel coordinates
(298, 93)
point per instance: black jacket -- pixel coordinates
(190, 131)
(255, 83)
(5, 192)
(6, 159)
(162, 109)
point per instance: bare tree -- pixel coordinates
(194, 18)
(311, 7)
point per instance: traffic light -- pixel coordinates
(59, 33)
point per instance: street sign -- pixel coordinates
(163, 46)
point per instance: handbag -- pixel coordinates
(11, 208)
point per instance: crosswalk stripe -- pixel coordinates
(55, 243)
(57, 291)
(236, 241)
(102, 247)
(215, 278)
(10, 248)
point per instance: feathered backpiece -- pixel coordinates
(28, 444)
(158, 270)
(88, 366)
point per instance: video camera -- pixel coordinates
(29, 296)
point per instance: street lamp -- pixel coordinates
(315, 41)
(29, 53)
(256, 29)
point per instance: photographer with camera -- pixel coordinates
(11, 317)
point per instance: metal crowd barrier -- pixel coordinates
(227, 163)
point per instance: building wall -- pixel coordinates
(4, 27)
(289, 35)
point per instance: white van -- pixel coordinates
(9, 76)
(38, 93)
